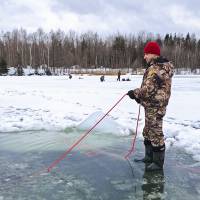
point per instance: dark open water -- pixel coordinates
(95, 170)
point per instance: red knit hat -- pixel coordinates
(152, 47)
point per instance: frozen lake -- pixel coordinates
(40, 119)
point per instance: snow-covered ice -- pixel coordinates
(34, 103)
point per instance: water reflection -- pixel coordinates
(153, 185)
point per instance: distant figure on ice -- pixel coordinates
(154, 95)
(48, 72)
(118, 75)
(102, 78)
(70, 76)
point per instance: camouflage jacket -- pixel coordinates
(155, 90)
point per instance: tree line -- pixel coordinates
(58, 49)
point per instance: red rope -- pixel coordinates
(81, 138)
(134, 139)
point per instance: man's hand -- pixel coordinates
(132, 96)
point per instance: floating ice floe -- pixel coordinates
(107, 125)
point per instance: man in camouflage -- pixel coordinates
(154, 95)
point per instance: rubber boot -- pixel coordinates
(148, 158)
(158, 159)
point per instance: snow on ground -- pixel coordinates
(56, 103)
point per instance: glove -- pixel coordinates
(132, 96)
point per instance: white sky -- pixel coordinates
(102, 16)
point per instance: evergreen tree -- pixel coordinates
(3, 66)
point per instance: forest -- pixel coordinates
(58, 49)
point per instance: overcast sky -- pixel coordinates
(102, 16)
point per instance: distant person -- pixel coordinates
(48, 72)
(70, 76)
(118, 75)
(102, 78)
(154, 95)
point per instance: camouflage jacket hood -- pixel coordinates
(155, 89)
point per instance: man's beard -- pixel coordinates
(146, 64)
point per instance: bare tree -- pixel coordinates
(62, 50)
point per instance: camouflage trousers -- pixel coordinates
(153, 126)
